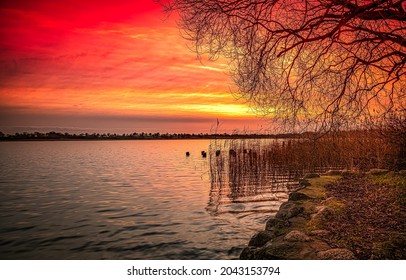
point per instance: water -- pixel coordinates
(121, 200)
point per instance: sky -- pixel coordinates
(108, 66)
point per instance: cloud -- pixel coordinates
(91, 58)
(22, 119)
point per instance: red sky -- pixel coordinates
(107, 66)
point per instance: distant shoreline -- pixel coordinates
(54, 136)
(64, 136)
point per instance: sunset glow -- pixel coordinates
(99, 66)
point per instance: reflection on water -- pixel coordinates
(246, 182)
(128, 200)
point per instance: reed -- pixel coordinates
(249, 167)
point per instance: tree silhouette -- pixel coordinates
(319, 62)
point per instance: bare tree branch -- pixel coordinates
(320, 62)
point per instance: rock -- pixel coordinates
(349, 173)
(248, 253)
(323, 212)
(287, 250)
(334, 204)
(275, 224)
(336, 254)
(279, 251)
(320, 232)
(261, 238)
(378, 171)
(298, 220)
(311, 175)
(304, 183)
(296, 236)
(318, 245)
(288, 210)
(234, 251)
(320, 207)
(333, 173)
(328, 200)
(317, 220)
(295, 196)
(263, 253)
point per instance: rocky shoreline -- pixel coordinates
(293, 232)
(338, 216)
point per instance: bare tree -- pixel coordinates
(319, 62)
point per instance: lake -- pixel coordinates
(141, 199)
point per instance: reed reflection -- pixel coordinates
(255, 170)
(246, 172)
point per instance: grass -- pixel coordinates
(366, 214)
(371, 217)
(316, 189)
(317, 192)
(390, 178)
(396, 180)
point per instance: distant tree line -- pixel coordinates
(367, 147)
(52, 135)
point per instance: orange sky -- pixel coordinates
(104, 66)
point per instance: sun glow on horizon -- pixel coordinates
(125, 61)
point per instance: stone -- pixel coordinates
(286, 250)
(350, 173)
(317, 220)
(323, 212)
(261, 238)
(275, 224)
(311, 175)
(320, 232)
(378, 171)
(296, 236)
(248, 253)
(333, 173)
(318, 245)
(289, 210)
(295, 196)
(336, 254)
(304, 183)
(279, 251)
(327, 201)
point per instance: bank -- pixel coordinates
(338, 215)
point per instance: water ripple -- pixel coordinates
(120, 200)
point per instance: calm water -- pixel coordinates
(121, 200)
